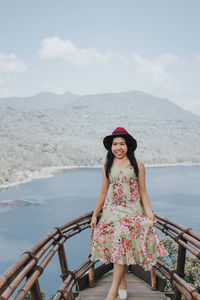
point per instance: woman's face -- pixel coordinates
(119, 147)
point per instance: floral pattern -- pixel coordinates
(124, 234)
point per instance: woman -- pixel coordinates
(125, 234)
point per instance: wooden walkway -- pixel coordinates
(137, 289)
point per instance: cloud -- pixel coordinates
(64, 49)
(155, 68)
(11, 64)
(196, 59)
(166, 76)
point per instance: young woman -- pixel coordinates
(125, 234)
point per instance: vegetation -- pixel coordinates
(63, 132)
(28, 296)
(192, 265)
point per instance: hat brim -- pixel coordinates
(107, 141)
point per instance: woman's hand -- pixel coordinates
(152, 218)
(93, 223)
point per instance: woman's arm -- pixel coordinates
(143, 192)
(101, 199)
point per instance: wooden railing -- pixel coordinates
(187, 240)
(23, 275)
(28, 267)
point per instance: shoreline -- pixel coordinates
(50, 171)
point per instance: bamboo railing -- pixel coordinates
(28, 267)
(187, 240)
(23, 275)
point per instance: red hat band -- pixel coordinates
(120, 130)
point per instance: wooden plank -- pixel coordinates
(137, 289)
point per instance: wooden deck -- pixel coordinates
(137, 289)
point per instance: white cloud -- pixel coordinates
(155, 68)
(169, 76)
(64, 49)
(11, 64)
(196, 59)
(1, 80)
(123, 59)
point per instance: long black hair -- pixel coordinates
(130, 154)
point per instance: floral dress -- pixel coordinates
(124, 234)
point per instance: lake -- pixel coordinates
(174, 194)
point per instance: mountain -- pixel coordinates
(57, 130)
(40, 101)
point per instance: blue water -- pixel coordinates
(174, 194)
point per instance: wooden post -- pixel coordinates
(180, 268)
(63, 260)
(64, 267)
(91, 270)
(91, 276)
(35, 291)
(153, 279)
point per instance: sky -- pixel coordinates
(101, 46)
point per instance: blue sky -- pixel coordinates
(90, 46)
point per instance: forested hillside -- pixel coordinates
(62, 130)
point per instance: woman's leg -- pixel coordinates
(118, 272)
(123, 284)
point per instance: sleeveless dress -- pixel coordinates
(124, 234)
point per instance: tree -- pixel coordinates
(28, 296)
(192, 264)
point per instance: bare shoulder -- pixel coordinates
(104, 168)
(105, 178)
(140, 164)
